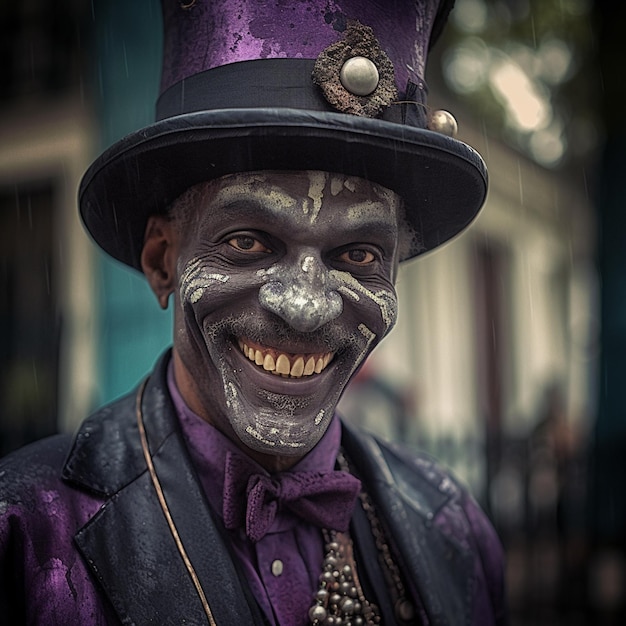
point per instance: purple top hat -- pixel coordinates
(334, 85)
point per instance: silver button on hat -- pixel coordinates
(359, 76)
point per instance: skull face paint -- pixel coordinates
(285, 285)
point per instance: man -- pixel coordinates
(285, 180)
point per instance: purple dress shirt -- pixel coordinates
(282, 568)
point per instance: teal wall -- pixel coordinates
(133, 330)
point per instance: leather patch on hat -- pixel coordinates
(347, 69)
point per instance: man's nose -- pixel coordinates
(303, 295)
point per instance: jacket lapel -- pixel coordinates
(439, 569)
(128, 544)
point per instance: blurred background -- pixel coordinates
(510, 354)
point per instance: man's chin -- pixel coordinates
(280, 415)
(290, 430)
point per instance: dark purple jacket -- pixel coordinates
(83, 540)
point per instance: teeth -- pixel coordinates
(298, 367)
(309, 368)
(268, 363)
(281, 365)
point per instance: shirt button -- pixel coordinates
(277, 567)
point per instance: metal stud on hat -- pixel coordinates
(443, 122)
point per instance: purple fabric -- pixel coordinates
(325, 499)
(37, 532)
(212, 34)
(285, 599)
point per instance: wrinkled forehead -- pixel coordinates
(306, 192)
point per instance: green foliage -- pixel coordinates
(527, 70)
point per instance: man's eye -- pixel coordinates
(357, 256)
(246, 243)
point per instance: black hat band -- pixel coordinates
(271, 83)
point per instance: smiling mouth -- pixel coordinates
(285, 364)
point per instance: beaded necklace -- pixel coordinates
(340, 598)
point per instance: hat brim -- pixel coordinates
(442, 180)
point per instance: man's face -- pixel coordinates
(285, 284)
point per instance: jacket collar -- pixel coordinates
(409, 494)
(106, 454)
(128, 544)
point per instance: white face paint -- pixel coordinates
(386, 302)
(286, 285)
(195, 280)
(317, 183)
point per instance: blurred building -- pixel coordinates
(47, 303)
(495, 318)
(76, 329)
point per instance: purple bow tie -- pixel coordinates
(325, 499)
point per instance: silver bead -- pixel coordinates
(317, 613)
(404, 610)
(443, 122)
(359, 76)
(321, 595)
(347, 606)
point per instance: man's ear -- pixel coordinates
(159, 257)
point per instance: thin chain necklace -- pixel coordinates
(165, 508)
(339, 598)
